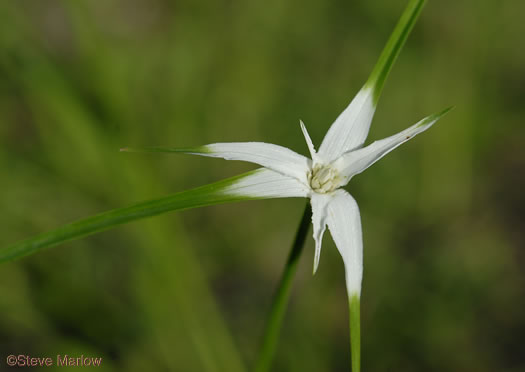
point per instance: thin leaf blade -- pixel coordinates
(214, 193)
(393, 47)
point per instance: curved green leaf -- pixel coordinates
(214, 193)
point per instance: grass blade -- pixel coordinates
(201, 196)
(393, 47)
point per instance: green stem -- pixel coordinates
(280, 301)
(355, 332)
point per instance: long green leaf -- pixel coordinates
(393, 47)
(201, 196)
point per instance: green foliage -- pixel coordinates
(214, 193)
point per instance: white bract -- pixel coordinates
(341, 155)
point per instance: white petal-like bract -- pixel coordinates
(350, 129)
(344, 223)
(309, 142)
(275, 157)
(266, 184)
(354, 162)
(319, 203)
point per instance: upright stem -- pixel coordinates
(355, 332)
(280, 300)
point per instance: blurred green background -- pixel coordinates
(443, 216)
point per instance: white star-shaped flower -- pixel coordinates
(341, 156)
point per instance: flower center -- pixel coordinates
(323, 179)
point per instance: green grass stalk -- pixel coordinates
(355, 331)
(281, 297)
